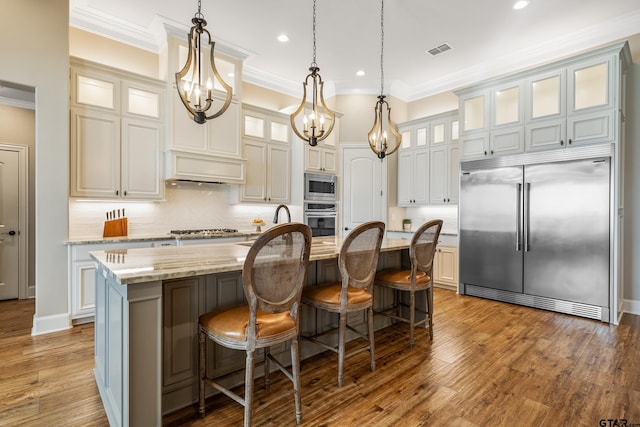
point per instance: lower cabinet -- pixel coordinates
(445, 267)
(82, 274)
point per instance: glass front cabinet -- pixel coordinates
(569, 103)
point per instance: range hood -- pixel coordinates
(202, 167)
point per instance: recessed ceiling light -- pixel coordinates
(360, 73)
(283, 38)
(520, 4)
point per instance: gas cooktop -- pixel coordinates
(204, 232)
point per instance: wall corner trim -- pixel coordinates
(631, 306)
(48, 324)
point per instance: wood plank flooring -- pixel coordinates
(490, 363)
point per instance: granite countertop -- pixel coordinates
(130, 266)
(442, 232)
(152, 238)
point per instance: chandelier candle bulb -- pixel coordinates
(196, 59)
(382, 122)
(310, 132)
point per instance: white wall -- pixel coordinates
(25, 50)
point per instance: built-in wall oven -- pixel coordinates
(319, 186)
(321, 217)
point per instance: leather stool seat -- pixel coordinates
(401, 278)
(330, 295)
(232, 324)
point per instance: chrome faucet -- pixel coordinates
(275, 217)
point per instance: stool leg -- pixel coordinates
(412, 316)
(372, 344)
(248, 388)
(202, 366)
(430, 310)
(267, 368)
(341, 338)
(295, 367)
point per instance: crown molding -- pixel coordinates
(83, 16)
(528, 57)
(12, 102)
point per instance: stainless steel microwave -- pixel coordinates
(318, 186)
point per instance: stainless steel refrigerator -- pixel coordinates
(537, 234)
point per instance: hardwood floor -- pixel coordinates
(490, 363)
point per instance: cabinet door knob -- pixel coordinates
(561, 142)
(570, 141)
(444, 200)
(485, 153)
(491, 151)
(117, 192)
(125, 192)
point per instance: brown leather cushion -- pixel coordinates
(233, 323)
(401, 277)
(330, 294)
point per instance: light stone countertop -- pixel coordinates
(152, 238)
(130, 266)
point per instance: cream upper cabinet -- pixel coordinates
(444, 158)
(117, 133)
(429, 160)
(267, 149)
(492, 121)
(571, 106)
(560, 105)
(413, 164)
(324, 156)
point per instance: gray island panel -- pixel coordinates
(147, 305)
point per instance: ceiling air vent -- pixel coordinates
(439, 49)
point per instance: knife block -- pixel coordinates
(115, 227)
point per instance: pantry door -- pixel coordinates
(13, 190)
(364, 180)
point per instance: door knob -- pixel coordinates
(346, 229)
(10, 233)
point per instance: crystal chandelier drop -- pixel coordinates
(195, 93)
(384, 133)
(318, 120)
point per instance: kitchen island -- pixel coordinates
(147, 305)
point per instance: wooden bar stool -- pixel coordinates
(273, 274)
(357, 261)
(418, 278)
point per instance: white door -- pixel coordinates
(9, 220)
(364, 183)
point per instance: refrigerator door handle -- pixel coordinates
(518, 217)
(527, 200)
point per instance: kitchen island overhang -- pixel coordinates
(147, 305)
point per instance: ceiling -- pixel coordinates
(488, 37)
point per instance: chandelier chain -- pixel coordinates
(314, 63)
(199, 14)
(382, 48)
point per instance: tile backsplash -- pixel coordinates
(189, 206)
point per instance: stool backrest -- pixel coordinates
(275, 269)
(358, 259)
(423, 246)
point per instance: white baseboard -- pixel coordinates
(631, 306)
(47, 324)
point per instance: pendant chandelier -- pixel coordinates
(196, 95)
(384, 133)
(317, 121)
